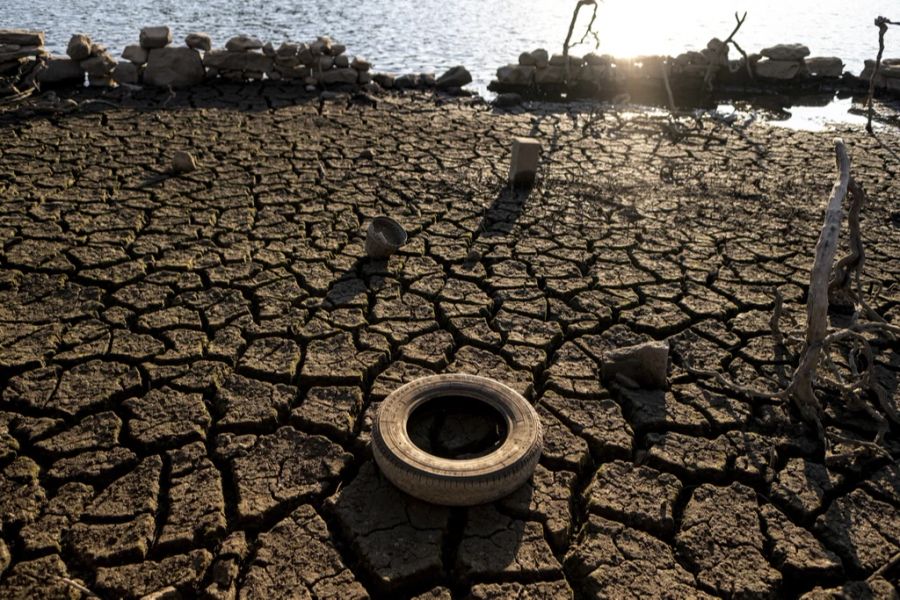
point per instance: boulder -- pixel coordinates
(7, 54)
(325, 62)
(337, 49)
(407, 81)
(342, 61)
(98, 67)
(594, 60)
(360, 64)
(527, 60)
(385, 80)
(507, 100)
(825, 66)
(126, 72)
(516, 75)
(550, 76)
(224, 60)
(183, 162)
(79, 47)
(243, 43)
(199, 41)
(778, 69)
(364, 77)
(786, 52)
(98, 49)
(155, 37)
(21, 37)
(337, 76)
(540, 58)
(427, 79)
(454, 77)
(135, 54)
(61, 70)
(644, 364)
(176, 67)
(268, 49)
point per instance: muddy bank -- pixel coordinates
(189, 363)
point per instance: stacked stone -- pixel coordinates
(20, 51)
(154, 61)
(888, 74)
(782, 62)
(91, 58)
(539, 68)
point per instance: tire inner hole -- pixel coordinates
(456, 427)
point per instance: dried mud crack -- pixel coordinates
(189, 364)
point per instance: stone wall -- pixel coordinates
(784, 67)
(155, 61)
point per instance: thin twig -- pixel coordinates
(566, 44)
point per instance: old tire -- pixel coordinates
(452, 482)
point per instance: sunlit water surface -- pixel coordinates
(432, 35)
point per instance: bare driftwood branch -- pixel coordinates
(801, 386)
(854, 261)
(568, 43)
(730, 40)
(882, 24)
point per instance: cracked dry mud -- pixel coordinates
(189, 365)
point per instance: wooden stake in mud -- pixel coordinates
(801, 386)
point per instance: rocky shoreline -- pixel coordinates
(697, 78)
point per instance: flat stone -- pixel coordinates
(720, 537)
(243, 43)
(611, 560)
(297, 558)
(825, 66)
(155, 37)
(167, 417)
(182, 572)
(243, 62)
(21, 37)
(175, 67)
(198, 41)
(777, 69)
(136, 54)
(493, 545)
(786, 52)
(287, 466)
(397, 538)
(865, 532)
(638, 496)
(61, 70)
(249, 403)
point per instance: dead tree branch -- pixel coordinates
(882, 24)
(568, 43)
(801, 386)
